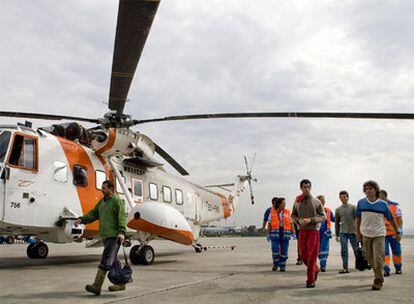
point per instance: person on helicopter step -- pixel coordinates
(110, 211)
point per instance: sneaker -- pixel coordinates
(282, 269)
(299, 262)
(274, 268)
(386, 273)
(323, 269)
(398, 272)
(377, 285)
(310, 285)
(344, 271)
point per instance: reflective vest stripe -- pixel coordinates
(390, 230)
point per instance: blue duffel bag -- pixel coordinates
(119, 275)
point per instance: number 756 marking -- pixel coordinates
(14, 205)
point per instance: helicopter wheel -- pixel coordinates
(198, 247)
(37, 250)
(135, 255)
(147, 255)
(10, 239)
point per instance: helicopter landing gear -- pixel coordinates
(142, 255)
(198, 247)
(38, 250)
(10, 239)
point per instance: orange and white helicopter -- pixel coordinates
(52, 175)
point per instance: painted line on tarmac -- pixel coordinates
(172, 288)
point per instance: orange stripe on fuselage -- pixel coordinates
(110, 142)
(180, 236)
(89, 196)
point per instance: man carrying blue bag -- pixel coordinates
(110, 211)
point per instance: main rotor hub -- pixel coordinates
(113, 120)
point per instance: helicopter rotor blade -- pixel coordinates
(167, 157)
(354, 115)
(46, 116)
(135, 18)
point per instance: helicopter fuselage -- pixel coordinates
(47, 181)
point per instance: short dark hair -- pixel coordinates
(383, 192)
(279, 201)
(343, 192)
(305, 182)
(109, 184)
(372, 184)
(320, 196)
(274, 200)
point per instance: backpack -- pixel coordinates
(360, 262)
(120, 275)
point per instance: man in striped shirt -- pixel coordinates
(370, 228)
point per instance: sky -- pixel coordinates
(236, 56)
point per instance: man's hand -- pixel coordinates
(398, 238)
(359, 236)
(337, 239)
(304, 221)
(121, 238)
(77, 222)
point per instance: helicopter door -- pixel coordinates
(4, 147)
(20, 186)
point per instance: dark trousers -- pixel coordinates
(110, 253)
(344, 237)
(309, 249)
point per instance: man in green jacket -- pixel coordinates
(110, 211)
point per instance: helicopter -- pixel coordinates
(51, 175)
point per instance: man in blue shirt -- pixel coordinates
(370, 228)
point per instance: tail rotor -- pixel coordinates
(248, 177)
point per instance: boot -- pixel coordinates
(97, 285)
(377, 284)
(117, 287)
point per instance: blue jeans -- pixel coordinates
(110, 254)
(344, 237)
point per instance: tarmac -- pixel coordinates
(179, 275)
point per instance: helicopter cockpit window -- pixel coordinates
(4, 144)
(179, 197)
(80, 176)
(137, 190)
(118, 185)
(100, 177)
(167, 194)
(153, 191)
(23, 153)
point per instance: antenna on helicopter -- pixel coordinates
(249, 176)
